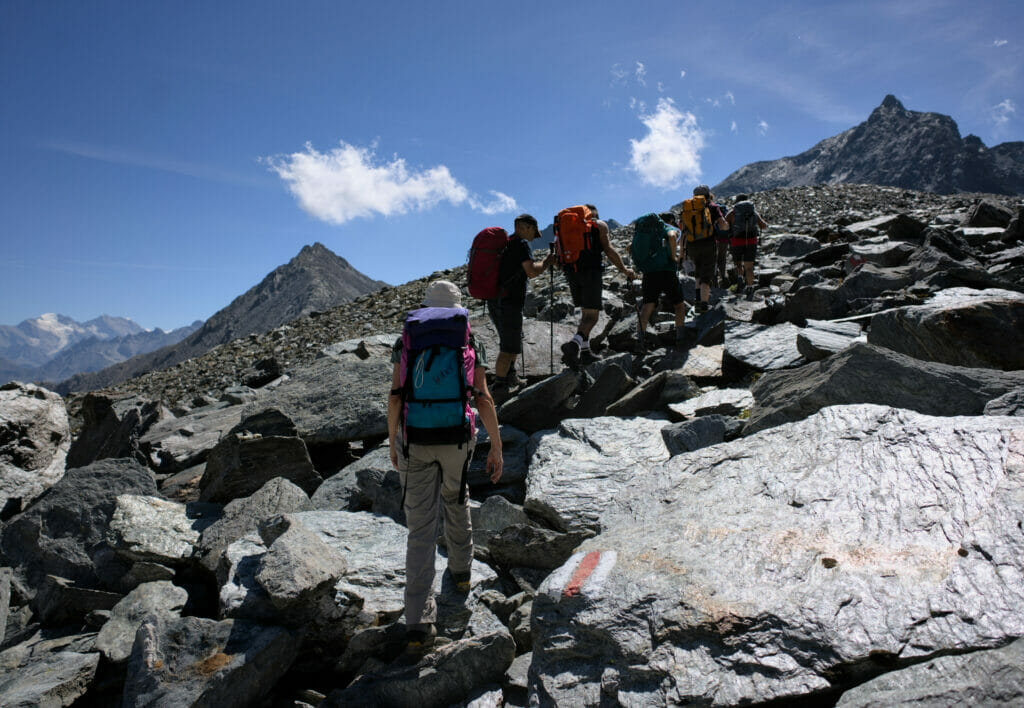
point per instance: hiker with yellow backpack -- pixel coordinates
(698, 219)
(580, 240)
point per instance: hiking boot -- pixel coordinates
(513, 379)
(750, 292)
(462, 583)
(571, 353)
(419, 641)
(587, 357)
(500, 392)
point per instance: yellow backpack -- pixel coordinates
(695, 219)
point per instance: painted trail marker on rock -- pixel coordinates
(583, 574)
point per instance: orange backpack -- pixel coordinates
(573, 228)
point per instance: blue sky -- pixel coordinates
(158, 159)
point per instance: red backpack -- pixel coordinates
(485, 262)
(573, 233)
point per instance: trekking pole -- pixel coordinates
(551, 313)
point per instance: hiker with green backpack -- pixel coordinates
(655, 252)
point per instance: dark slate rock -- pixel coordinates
(864, 373)
(880, 251)
(540, 406)
(576, 470)
(987, 214)
(706, 329)
(717, 401)
(962, 327)
(269, 422)
(243, 516)
(753, 347)
(58, 678)
(654, 394)
(691, 435)
(175, 444)
(826, 255)
(5, 600)
(794, 245)
(332, 403)
(606, 389)
(625, 360)
(191, 661)
(790, 564)
(495, 514)
(112, 428)
(344, 491)
(1011, 403)
(899, 227)
(241, 464)
(61, 532)
(34, 440)
(441, 678)
(514, 445)
(820, 338)
(984, 678)
(117, 636)
(527, 546)
(537, 346)
(59, 601)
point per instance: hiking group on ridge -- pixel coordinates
(439, 372)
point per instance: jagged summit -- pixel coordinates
(894, 147)
(316, 279)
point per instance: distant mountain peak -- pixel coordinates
(894, 147)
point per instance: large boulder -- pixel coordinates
(192, 661)
(30, 677)
(576, 470)
(244, 516)
(791, 563)
(820, 339)
(754, 347)
(541, 405)
(243, 462)
(117, 636)
(332, 402)
(984, 678)
(62, 532)
(864, 373)
(34, 441)
(654, 394)
(541, 358)
(959, 326)
(175, 444)
(112, 428)
(149, 529)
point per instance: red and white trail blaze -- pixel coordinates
(583, 574)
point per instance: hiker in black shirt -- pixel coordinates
(506, 310)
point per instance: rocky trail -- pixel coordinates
(818, 500)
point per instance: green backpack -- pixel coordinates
(650, 249)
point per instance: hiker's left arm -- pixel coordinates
(761, 222)
(394, 411)
(613, 255)
(489, 417)
(673, 243)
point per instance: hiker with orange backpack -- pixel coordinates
(698, 219)
(746, 225)
(580, 240)
(516, 266)
(431, 435)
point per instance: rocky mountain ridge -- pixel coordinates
(314, 280)
(895, 147)
(814, 499)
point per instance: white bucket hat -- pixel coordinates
(442, 293)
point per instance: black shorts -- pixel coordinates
(507, 317)
(702, 253)
(585, 286)
(662, 281)
(745, 254)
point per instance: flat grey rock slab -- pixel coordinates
(576, 470)
(334, 402)
(723, 401)
(175, 444)
(863, 373)
(777, 566)
(53, 679)
(994, 677)
(959, 326)
(820, 339)
(152, 529)
(34, 440)
(760, 347)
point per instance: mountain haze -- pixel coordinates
(314, 280)
(894, 147)
(36, 341)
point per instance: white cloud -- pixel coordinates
(349, 182)
(670, 152)
(762, 127)
(1002, 113)
(732, 99)
(661, 87)
(1000, 42)
(682, 73)
(733, 128)
(641, 73)
(618, 75)
(632, 103)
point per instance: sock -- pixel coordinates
(578, 338)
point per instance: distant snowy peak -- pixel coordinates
(35, 341)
